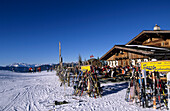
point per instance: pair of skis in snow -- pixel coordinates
(56, 103)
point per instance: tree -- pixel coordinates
(85, 62)
(80, 60)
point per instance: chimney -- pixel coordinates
(156, 27)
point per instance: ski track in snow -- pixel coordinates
(38, 91)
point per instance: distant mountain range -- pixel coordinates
(24, 67)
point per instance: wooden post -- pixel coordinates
(60, 58)
(68, 76)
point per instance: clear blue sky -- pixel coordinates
(30, 30)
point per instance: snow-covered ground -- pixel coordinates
(36, 91)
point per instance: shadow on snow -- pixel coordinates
(110, 89)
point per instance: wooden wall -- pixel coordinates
(157, 42)
(126, 55)
(125, 58)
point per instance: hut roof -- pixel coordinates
(144, 35)
(137, 49)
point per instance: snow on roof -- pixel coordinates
(148, 47)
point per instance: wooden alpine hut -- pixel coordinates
(149, 45)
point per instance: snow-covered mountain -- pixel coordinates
(23, 65)
(36, 65)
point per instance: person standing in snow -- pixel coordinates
(12, 69)
(112, 72)
(51, 69)
(34, 69)
(30, 69)
(47, 69)
(39, 69)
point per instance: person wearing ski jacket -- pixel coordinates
(34, 69)
(39, 69)
(30, 69)
(104, 71)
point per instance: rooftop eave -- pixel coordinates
(146, 34)
(104, 56)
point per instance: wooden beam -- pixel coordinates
(146, 35)
(107, 55)
(135, 50)
(161, 36)
(138, 42)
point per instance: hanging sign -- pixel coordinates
(86, 68)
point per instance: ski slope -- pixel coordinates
(37, 92)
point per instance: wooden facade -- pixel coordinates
(147, 46)
(157, 42)
(125, 59)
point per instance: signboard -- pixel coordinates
(86, 68)
(161, 66)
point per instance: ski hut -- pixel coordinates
(149, 45)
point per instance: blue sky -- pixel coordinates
(30, 30)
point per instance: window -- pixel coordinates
(163, 43)
(166, 43)
(124, 62)
(119, 62)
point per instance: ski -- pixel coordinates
(168, 86)
(128, 91)
(154, 91)
(158, 88)
(145, 89)
(141, 89)
(80, 100)
(162, 86)
(56, 103)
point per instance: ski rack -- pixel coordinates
(147, 89)
(168, 88)
(82, 82)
